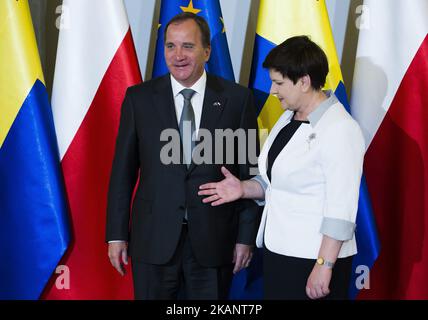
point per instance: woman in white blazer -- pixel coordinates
(310, 169)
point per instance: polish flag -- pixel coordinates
(96, 63)
(390, 102)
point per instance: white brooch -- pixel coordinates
(311, 137)
(217, 104)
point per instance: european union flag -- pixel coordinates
(219, 63)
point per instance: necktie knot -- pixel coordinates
(187, 94)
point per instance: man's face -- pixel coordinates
(185, 55)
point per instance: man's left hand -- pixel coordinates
(242, 256)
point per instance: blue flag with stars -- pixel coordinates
(219, 63)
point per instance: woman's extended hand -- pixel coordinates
(227, 190)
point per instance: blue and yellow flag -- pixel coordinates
(33, 211)
(219, 63)
(279, 20)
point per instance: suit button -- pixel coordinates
(181, 207)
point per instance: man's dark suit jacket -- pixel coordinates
(165, 191)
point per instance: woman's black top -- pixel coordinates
(280, 142)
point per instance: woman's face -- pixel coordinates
(285, 90)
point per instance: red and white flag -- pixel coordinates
(390, 102)
(96, 63)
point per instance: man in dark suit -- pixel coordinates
(178, 243)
